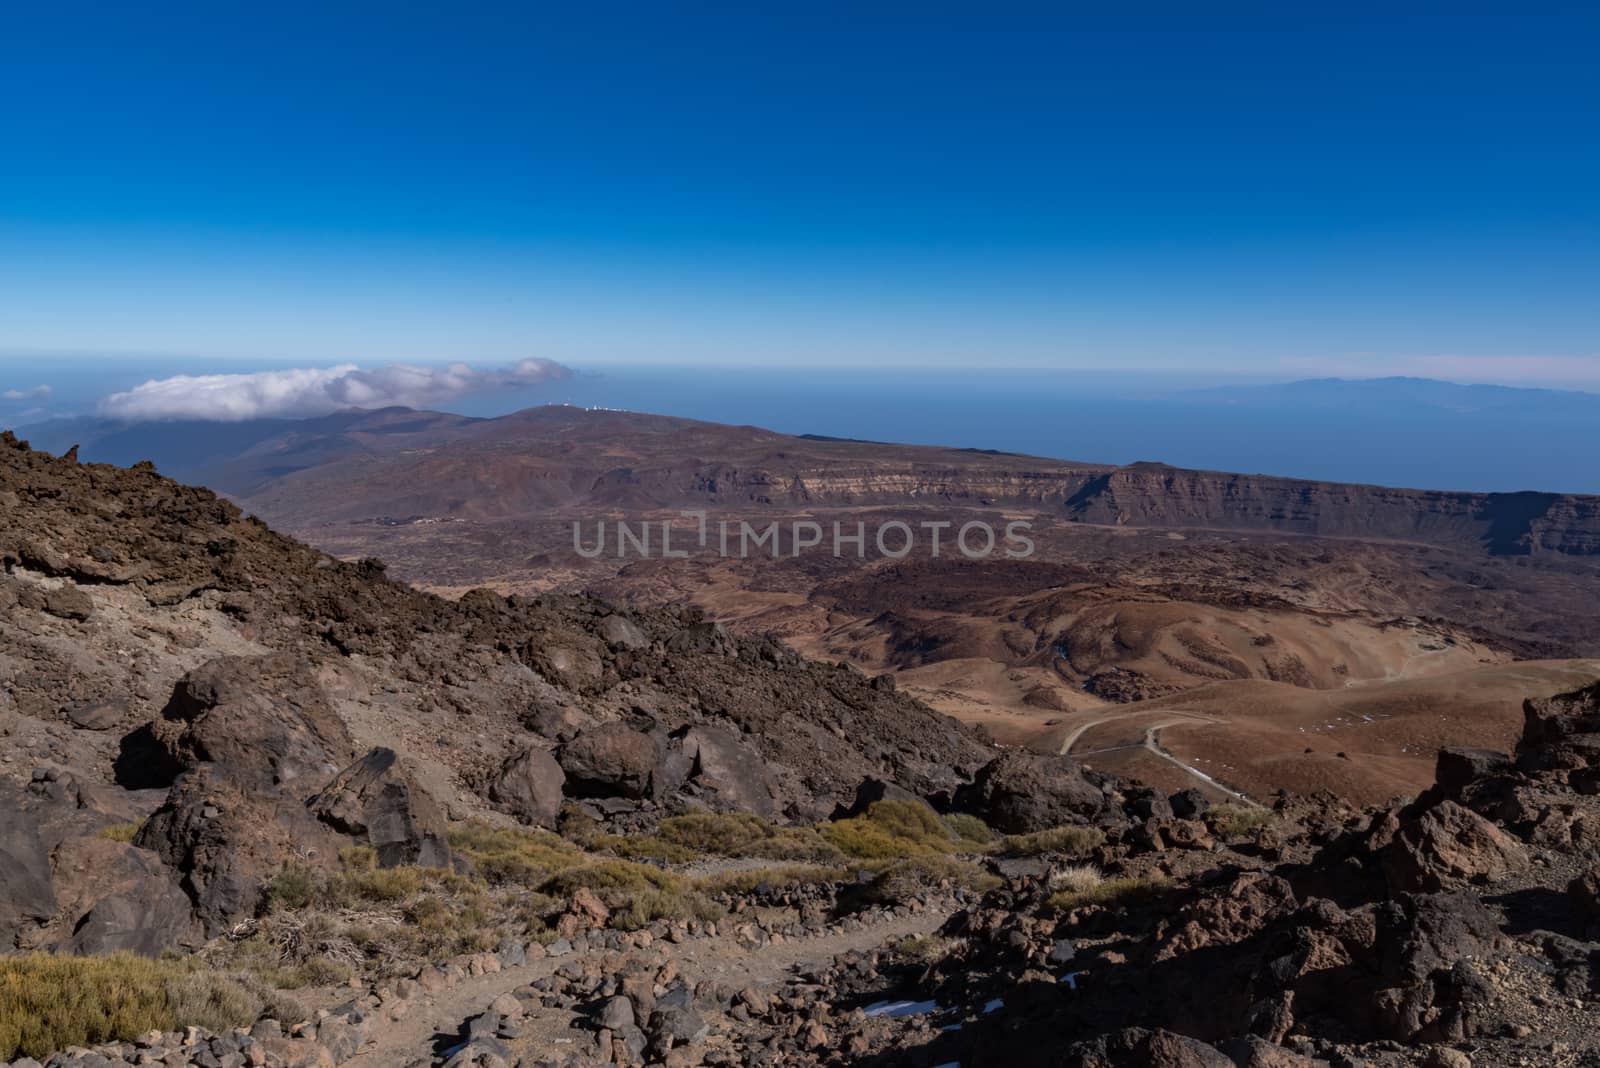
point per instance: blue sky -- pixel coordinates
(1276, 193)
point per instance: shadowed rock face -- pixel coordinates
(372, 799)
(531, 785)
(1020, 791)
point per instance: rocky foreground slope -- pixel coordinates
(338, 820)
(166, 657)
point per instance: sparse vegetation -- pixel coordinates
(48, 1003)
(505, 855)
(1067, 841)
(682, 839)
(1232, 820)
(121, 832)
(1107, 892)
(1076, 878)
(889, 830)
(779, 878)
(970, 832)
(906, 878)
(929, 948)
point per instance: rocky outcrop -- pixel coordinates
(375, 802)
(27, 889)
(1021, 791)
(269, 777)
(530, 785)
(612, 760)
(727, 774)
(1447, 844)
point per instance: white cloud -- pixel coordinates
(36, 393)
(303, 392)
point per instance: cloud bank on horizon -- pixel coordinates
(305, 392)
(36, 393)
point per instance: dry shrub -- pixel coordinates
(1067, 841)
(48, 1003)
(889, 830)
(1232, 820)
(1109, 892)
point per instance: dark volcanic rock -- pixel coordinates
(530, 786)
(27, 892)
(1446, 844)
(730, 774)
(115, 897)
(611, 760)
(1458, 767)
(373, 800)
(1022, 791)
(1137, 1047)
(870, 792)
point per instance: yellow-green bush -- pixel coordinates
(746, 835)
(902, 879)
(1236, 821)
(970, 832)
(637, 894)
(641, 847)
(742, 882)
(929, 948)
(120, 832)
(682, 839)
(48, 1003)
(1068, 841)
(890, 829)
(504, 855)
(612, 875)
(1125, 891)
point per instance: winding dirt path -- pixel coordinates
(411, 1040)
(1151, 742)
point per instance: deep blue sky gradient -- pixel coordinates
(1279, 191)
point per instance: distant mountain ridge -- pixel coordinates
(399, 463)
(1399, 392)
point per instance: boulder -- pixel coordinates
(113, 897)
(27, 890)
(264, 720)
(530, 787)
(571, 667)
(1022, 791)
(705, 638)
(1584, 893)
(729, 771)
(1253, 1052)
(621, 633)
(1427, 988)
(96, 715)
(1558, 732)
(269, 775)
(68, 602)
(1143, 803)
(1449, 843)
(375, 800)
(871, 791)
(611, 760)
(1137, 1047)
(1189, 804)
(1458, 767)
